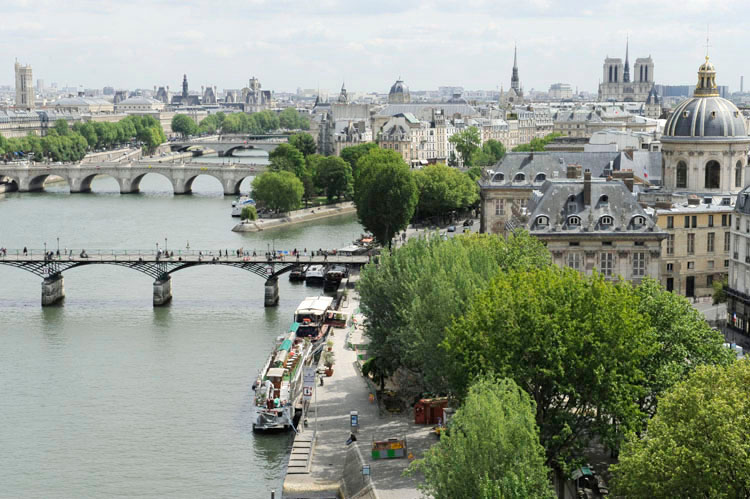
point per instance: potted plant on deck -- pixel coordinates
(328, 360)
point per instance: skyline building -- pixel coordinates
(24, 86)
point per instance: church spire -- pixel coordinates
(626, 73)
(515, 83)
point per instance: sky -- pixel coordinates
(368, 44)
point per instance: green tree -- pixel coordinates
(334, 177)
(352, 154)
(684, 341)
(491, 152)
(697, 444)
(467, 143)
(304, 143)
(537, 144)
(286, 157)
(184, 125)
(443, 189)
(720, 291)
(385, 194)
(61, 127)
(278, 191)
(474, 173)
(415, 292)
(571, 341)
(249, 213)
(291, 119)
(492, 450)
(209, 125)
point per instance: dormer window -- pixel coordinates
(574, 221)
(499, 177)
(604, 200)
(639, 221)
(542, 221)
(605, 221)
(572, 205)
(685, 114)
(713, 114)
(520, 177)
(540, 177)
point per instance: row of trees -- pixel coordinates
(594, 356)
(63, 144)
(537, 144)
(468, 143)
(255, 123)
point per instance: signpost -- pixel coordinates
(308, 385)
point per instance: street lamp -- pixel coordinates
(45, 249)
(58, 245)
(165, 244)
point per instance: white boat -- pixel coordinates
(278, 388)
(240, 203)
(311, 315)
(315, 274)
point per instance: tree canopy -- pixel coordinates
(385, 194)
(304, 143)
(443, 189)
(536, 144)
(490, 153)
(697, 443)
(467, 142)
(492, 450)
(291, 119)
(278, 191)
(352, 154)
(334, 177)
(286, 157)
(184, 125)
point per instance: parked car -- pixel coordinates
(452, 228)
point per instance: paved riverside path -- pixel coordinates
(346, 391)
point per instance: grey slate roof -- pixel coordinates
(560, 200)
(424, 111)
(705, 117)
(743, 201)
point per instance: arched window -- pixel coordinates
(681, 175)
(572, 205)
(638, 221)
(542, 221)
(604, 200)
(738, 174)
(605, 221)
(713, 175)
(540, 177)
(499, 177)
(520, 177)
(574, 221)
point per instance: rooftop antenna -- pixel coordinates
(707, 44)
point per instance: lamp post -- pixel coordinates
(58, 246)
(165, 244)
(157, 248)
(45, 249)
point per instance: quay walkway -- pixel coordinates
(160, 265)
(335, 469)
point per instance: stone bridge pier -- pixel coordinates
(271, 298)
(162, 291)
(53, 290)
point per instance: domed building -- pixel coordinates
(399, 93)
(705, 142)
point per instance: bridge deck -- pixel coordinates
(182, 256)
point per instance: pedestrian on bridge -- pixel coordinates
(25, 251)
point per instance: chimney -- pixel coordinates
(627, 177)
(574, 171)
(587, 187)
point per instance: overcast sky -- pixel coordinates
(310, 44)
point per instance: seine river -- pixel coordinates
(108, 396)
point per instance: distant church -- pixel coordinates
(617, 84)
(514, 96)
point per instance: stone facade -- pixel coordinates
(24, 87)
(738, 288)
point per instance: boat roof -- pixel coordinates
(275, 372)
(294, 327)
(350, 249)
(315, 304)
(286, 345)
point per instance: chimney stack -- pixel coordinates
(587, 187)
(574, 171)
(627, 177)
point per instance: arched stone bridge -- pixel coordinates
(226, 146)
(128, 175)
(161, 269)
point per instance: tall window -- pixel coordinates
(710, 220)
(727, 239)
(687, 222)
(574, 260)
(670, 222)
(710, 242)
(639, 264)
(713, 175)
(691, 244)
(499, 207)
(738, 174)
(681, 175)
(670, 244)
(607, 264)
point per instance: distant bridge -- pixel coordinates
(156, 265)
(226, 145)
(31, 177)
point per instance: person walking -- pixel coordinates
(25, 251)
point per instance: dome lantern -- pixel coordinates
(706, 86)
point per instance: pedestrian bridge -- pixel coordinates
(31, 177)
(160, 266)
(226, 145)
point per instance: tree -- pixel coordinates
(491, 449)
(684, 341)
(474, 173)
(291, 119)
(286, 157)
(184, 125)
(249, 213)
(61, 127)
(303, 142)
(696, 445)
(334, 176)
(443, 189)
(537, 144)
(720, 291)
(415, 292)
(352, 154)
(491, 152)
(278, 191)
(385, 194)
(571, 341)
(467, 143)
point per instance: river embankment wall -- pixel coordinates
(297, 216)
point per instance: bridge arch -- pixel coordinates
(134, 185)
(35, 183)
(237, 189)
(85, 182)
(188, 187)
(12, 183)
